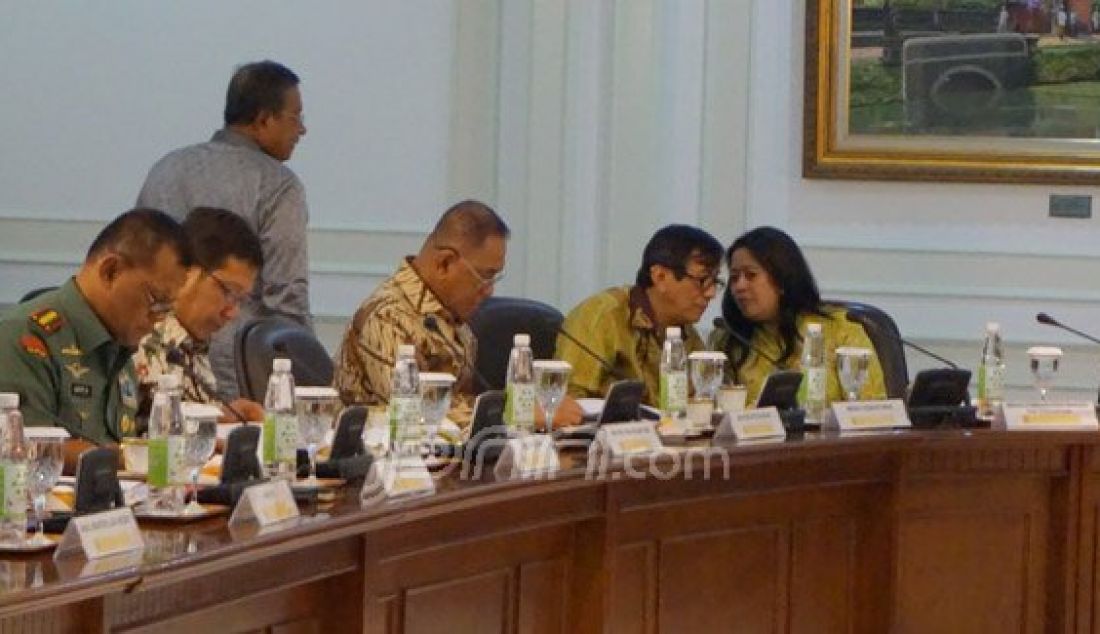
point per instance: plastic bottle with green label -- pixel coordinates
(280, 433)
(674, 382)
(406, 418)
(812, 393)
(519, 388)
(167, 462)
(13, 471)
(991, 372)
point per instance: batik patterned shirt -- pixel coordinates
(399, 312)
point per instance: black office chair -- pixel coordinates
(261, 340)
(886, 338)
(497, 320)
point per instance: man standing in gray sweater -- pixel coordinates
(241, 168)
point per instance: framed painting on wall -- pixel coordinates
(963, 90)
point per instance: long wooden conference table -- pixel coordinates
(934, 531)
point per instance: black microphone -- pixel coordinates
(909, 344)
(432, 324)
(619, 376)
(721, 323)
(1044, 318)
(175, 356)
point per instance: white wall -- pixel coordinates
(587, 123)
(941, 258)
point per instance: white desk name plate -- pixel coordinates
(266, 504)
(101, 535)
(398, 478)
(627, 439)
(1048, 417)
(868, 415)
(528, 456)
(751, 424)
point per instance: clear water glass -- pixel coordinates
(317, 409)
(551, 380)
(45, 457)
(199, 438)
(852, 366)
(435, 401)
(1044, 363)
(706, 373)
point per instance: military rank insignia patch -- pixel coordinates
(33, 345)
(48, 319)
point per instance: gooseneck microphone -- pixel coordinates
(1046, 319)
(909, 344)
(432, 325)
(175, 356)
(610, 369)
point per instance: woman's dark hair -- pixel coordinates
(780, 256)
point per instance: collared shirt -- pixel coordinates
(231, 172)
(836, 332)
(395, 314)
(151, 361)
(67, 369)
(618, 326)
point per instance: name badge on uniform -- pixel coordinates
(81, 390)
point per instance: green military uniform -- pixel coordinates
(66, 367)
(618, 326)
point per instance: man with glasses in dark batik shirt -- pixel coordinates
(427, 303)
(625, 326)
(67, 352)
(227, 258)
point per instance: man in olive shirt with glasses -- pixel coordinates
(625, 326)
(67, 352)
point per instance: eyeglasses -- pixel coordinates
(482, 282)
(232, 295)
(705, 282)
(158, 306)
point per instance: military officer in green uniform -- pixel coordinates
(67, 352)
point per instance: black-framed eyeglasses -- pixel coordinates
(157, 306)
(232, 295)
(705, 282)
(482, 282)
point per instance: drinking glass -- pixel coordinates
(852, 365)
(435, 400)
(45, 457)
(317, 409)
(1044, 366)
(551, 379)
(199, 437)
(706, 372)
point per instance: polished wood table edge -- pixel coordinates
(470, 496)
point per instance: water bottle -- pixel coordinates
(814, 376)
(167, 463)
(280, 448)
(406, 419)
(674, 382)
(519, 391)
(991, 372)
(13, 471)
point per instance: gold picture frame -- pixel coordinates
(841, 141)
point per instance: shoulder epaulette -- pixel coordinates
(48, 319)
